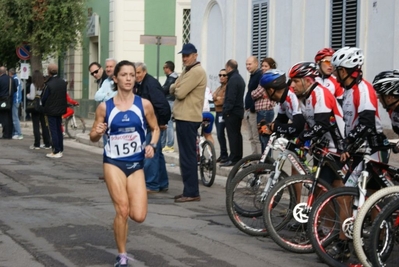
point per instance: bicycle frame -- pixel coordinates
(283, 145)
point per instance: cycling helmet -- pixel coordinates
(323, 53)
(387, 83)
(303, 69)
(273, 79)
(348, 57)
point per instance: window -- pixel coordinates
(259, 29)
(186, 25)
(343, 23)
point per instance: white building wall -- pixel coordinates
(125, 26)
(297, 30)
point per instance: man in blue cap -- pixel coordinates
(189, 92)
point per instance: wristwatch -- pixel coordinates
(154, 146)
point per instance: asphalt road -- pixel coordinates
(55, 212)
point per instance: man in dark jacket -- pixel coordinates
(233, 112)
(6, 115)
(252, 65)
(168, 139)
(148, 87)
(55, 104)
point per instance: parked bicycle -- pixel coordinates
(72, 123)
(206, 157)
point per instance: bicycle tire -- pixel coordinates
(244, 163)
(71, 129)
(385, 227)
(208, 164)
(278, 212)
(381, 197)
(327, 210)
(243, 202)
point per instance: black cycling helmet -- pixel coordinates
(387, 83)
(303, 69)
(274, 79)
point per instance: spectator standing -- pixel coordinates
(122, 117)
(218, 99)
(252, 66)
(208, 116)
(156, 176)
(97, 71)
(17, 99)
(189, 91)
(233, 112)
(55, 105)
(105, 92)
(38, 120)
(6, 84)
(168, 139)
(263, 105)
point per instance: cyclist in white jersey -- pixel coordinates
(386, 84)
(124, 118)
(289, 120)
(322, 113)
(326, 77)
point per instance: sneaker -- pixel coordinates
(54, 156)
(18, 137)
(34, 147)
(168, 149)
(339, 251)
(121, 261)
(45, 147)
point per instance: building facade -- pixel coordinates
(294, 30)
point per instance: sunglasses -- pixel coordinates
(94, 72)
(328, 62)
(222, 75)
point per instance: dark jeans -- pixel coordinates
(268, 116)
(54, 125)
(38, 120)
(6, 122)
(233, 127)
(156, 176)
(220, 127)
(186, 133)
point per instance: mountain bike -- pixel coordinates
(333, 215)
(206, 157)
(74, 124)
(287, 206)
(384, 237)
(248, 190)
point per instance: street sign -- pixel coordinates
(158, 40)
(23, 52)
(25, 70)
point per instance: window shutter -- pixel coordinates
(343, 23)
(259, 29)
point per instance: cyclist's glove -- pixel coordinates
(263, 128)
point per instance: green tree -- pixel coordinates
(50, 27)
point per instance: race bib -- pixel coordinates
(124, 145)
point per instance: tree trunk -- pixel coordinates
(36, 60)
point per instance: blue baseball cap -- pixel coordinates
(188, 49)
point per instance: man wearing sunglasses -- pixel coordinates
(98, 73)
(326, 77)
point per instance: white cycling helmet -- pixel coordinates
(348, 57)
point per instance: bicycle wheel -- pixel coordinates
(361, 230)
(208, 164)
(244, 163)
(285, 211)
(331, 226)
(384, 237)
(73, 127)
(244, 199)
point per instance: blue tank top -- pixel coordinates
(126, 131)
